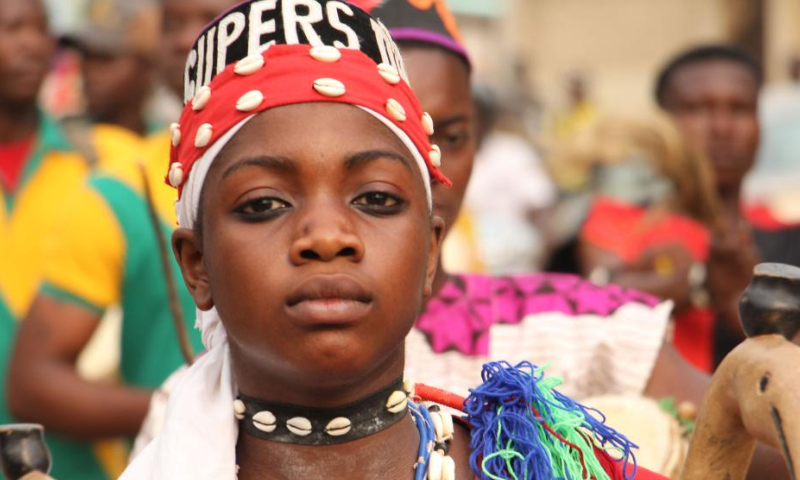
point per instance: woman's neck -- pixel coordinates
(389, 454)
(17, 123)
(320, 391)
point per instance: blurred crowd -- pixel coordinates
(655, 203)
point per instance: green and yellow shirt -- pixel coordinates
(105, 254)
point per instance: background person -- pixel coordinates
(712, 92)
(106, 253)
(117, 54)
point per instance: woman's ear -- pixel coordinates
(437, 237)
(188, 251)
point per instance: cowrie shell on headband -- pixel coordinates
(249, 64)
(250, 101)
(175, 174)
(389, 73)
(265, 421)
(300, 426)
(329, 87)
(395, 110)
(204, 134)
(435, 155)
(175, 134)
(201, 98)
(427, 123)
(325, 54)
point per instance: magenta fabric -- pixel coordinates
(460, 317)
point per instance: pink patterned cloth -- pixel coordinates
(460, 317)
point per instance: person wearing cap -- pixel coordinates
(106, 253)
(308, 258)
(470, 319)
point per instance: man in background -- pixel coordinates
(117, 50)
(107, 253)
(712, 92)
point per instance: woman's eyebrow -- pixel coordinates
(281, 164)
(367, 156)
(452, 121)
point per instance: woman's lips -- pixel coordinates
(328, 300)
(328, 311)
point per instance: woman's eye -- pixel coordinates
(378, 200)
(262, 205)
(454, 140)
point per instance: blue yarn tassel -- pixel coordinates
(509, 441)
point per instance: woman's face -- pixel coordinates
(441, 82)
(317, 248)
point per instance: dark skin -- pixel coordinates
(44, 386)
(435, 85)
(317, 256)
(105, 76)
(26, 48)
(442, 84)
(715, 103)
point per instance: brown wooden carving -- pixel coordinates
(755, 393)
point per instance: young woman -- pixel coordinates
(308, 243)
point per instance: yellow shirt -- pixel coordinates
(28, 214)
(86, 263)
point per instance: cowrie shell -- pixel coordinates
(427, 123)
(265, 421)
(435, 155)
(238, 409)
(175, 134)
(447, 425)
(250, 101)
(398, 401)
(300, 426)
(338, 427)
(249, 64)
(201, 98)
(175, 174)
(395, 110)
(448, 468)
(389, 73)
(408, 386)
(329, 87)
(204, 134)
(435, 465)
(437, 426)
(325, 54)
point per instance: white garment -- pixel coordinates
(508, 182)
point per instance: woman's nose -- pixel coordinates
(326, 234)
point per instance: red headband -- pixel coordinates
(291, 74)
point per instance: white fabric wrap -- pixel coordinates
(198, 437)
